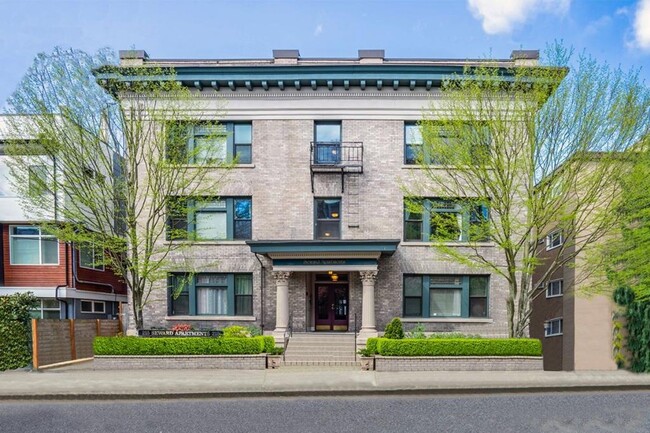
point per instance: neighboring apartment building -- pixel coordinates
(68, 283)
(311, 230)
(574, 325)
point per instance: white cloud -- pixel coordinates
(318, 30)
(642, 25)
(595, 26)
(501, 16)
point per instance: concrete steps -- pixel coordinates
(321, 349)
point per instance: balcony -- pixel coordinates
(336, 157)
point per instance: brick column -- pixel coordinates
(368, 323)
(281, 304)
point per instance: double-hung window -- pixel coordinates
(446, 296)
(211, 294)
(210, 143)
(413, 150)
(205, 219)
(554, 288)
(553, 327)
(554, 240)
(448, 220)
(327, 142)
(327, 224)
(31, 245)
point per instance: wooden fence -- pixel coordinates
(55, 341)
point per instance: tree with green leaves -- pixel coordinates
(524, 151)
(626, 254)
(110, 163)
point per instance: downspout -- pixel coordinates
(67, 281)
(78, 281)
(262, 284)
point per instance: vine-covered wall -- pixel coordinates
(637, 315)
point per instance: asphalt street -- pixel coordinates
(565, 412)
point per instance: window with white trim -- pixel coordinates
(554, 240)
(46, 309)
(554, 288)
(97, 307)
(30, 245)
(553, 327)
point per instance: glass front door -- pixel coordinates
(331, 307)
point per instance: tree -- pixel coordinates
(111, 164)
(626, 255)
(527, 149)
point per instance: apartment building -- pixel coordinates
(572, 311)
(311, 232)
(70, 282)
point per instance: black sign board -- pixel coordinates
(170, 333)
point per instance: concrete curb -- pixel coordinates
(329, 393)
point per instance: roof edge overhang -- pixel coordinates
(320, 248)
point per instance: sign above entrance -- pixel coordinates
(309, 265)
(324, 262)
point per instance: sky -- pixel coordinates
(615, 31)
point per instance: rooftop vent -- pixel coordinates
(286, 56)
(371, 56)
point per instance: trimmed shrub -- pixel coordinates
(394, 329)
(269, 343)
(235, 332)
(460, 347)
(15, 331)
(371, 345)
(178, 346)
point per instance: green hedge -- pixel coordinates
(15, 330)
(181, 346)
(456, 347)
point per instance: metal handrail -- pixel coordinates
(355, 334)
(288, 333)
(339, 154)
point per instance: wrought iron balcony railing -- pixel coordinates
(336, 157)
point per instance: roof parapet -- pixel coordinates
(132, 57)
(286, 57)
(525, 57)
(371, 56)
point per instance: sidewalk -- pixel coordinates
(81, 382)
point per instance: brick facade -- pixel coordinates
(283, 190)
(458, 363)
(223, 362)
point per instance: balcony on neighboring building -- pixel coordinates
(336, 158)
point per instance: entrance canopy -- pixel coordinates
(327, 255)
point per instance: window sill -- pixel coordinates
(553, 335)
(446, 244)
(212, 318)
(554, 296)
(185, 242)
(446, 320)
(235, 166)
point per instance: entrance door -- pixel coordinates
(331, 307)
